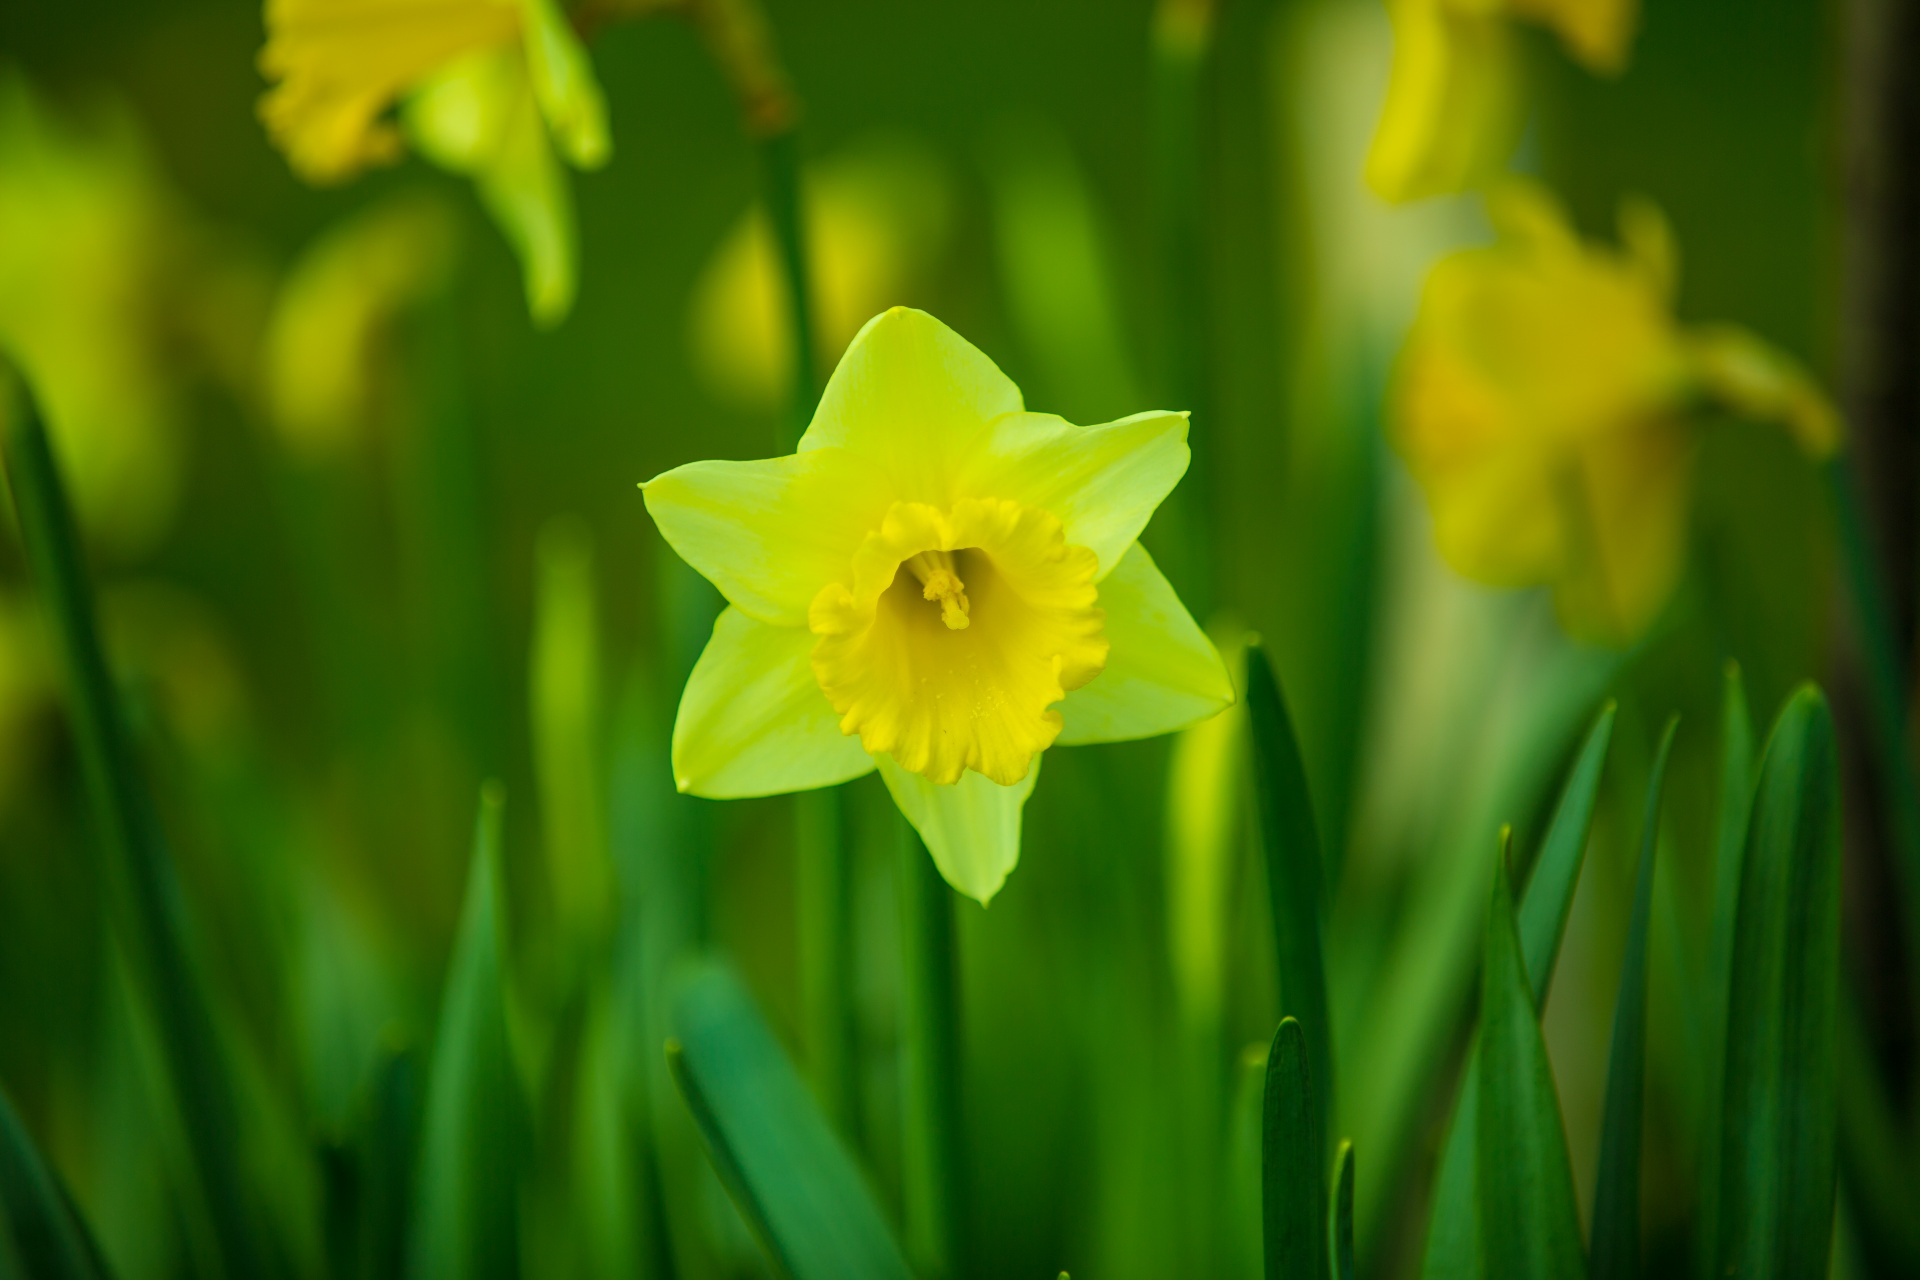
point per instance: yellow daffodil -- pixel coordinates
(1451, 116)
(485, 88)
(1545, 404)
(919, 585)
(875, 217)
(89, 248)
(333, 319)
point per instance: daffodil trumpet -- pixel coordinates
(937, 584)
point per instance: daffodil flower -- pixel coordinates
(938, 584)
(1546, 402)
(486, 88)
(326, 335)
(91, 269)
(1451, 115)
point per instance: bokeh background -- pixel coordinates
(333, 638)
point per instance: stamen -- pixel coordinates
(938, 581)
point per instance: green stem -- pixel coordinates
(1886, 687)
(149, 909)
(780, 171)
(1182, 39)
(933, 1156)
(826, 953)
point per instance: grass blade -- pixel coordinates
(149, 911)
(1291, 843)
(1616, 1199)
(1453, 1239)
(1293, 1176)
(1779, 1102)
(473, 1133)
(1529, 1221)
(781, 1162)
(1549, 893)
(49, 1239)
(1730, 838)
(1340, 1225)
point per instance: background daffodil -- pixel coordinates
(919, 585)
(1451, 115)
(1544, 402)
(485, 88)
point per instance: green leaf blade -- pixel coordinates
(1292, 1172)
(777, 1154)
(1453, 1231)
(1616, 1202)
(48, 1237)
(1340, 1224)
(1529, 1219)
(1290, 840)
(474, 1130)
(1779, 1101)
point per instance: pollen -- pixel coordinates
(938, 581)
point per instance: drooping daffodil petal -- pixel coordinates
(938, 583)
(1545, 402)
(334, 312)
(1452, 112)
(486, 88)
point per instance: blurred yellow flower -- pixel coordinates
(1451, 113)
(1544, 403)
(876, 216)
(920, 583)
(332, 321)
(485, 88)
(89, 243)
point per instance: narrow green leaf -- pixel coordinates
(1730, 838)
(1293, 1177)
(49, 1239)
(1549, 892)
(1340, 1225)
(1291, 843)
(1779, 1103)
(1453, 1231)
(474, 1131)
(1529, 1220)
(786, 1170)
(1616, 1199)
(149, 911)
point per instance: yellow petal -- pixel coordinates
(1631, 536)
(340, 64)
(957, 636)
(915, 397)
(971, 827)
(1450, 118)
(479, 117)
(770, 534)
(333, 316)
(564, 83)
(1162, 673)
(1597, 32)
(1103, 482)
(753, 722)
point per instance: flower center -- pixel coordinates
(938, 581)
(972, 684)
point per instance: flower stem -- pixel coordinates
(932, 1154)
(826, 952)
(780, 171)
(1886, 688)
(1182, 39)
(146, 893)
